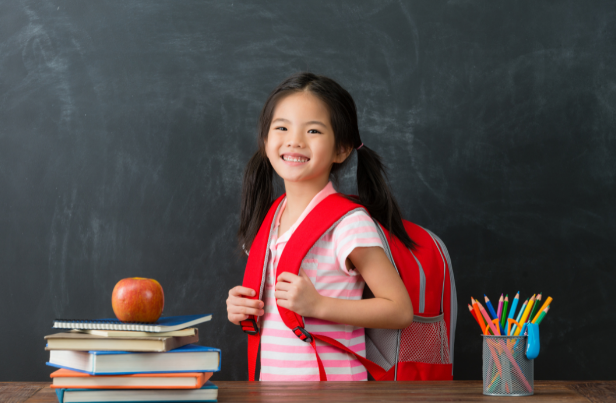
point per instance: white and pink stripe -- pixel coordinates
(284, 357)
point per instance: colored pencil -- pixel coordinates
(472, 311)
(490, 307)
(519, 317)
(478, 313)
(521, 311)
(504, 313)
(529, 307)
(514, 305)
(525, 315)
(487, 318)
(545, 305)
(542, 315)
(499, 312)
(535, 307)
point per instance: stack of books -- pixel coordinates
(110, 361)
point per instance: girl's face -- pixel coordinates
(300, 140)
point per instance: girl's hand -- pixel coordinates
(297, 293)
(239, 307)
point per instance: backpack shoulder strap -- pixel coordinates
(253, 278)
(322, 217)
(253, 274)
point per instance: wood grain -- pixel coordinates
(15, 392)
(595, 391)
(358, 392)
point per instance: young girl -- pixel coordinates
(307, 130)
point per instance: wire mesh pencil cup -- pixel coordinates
(506, 370)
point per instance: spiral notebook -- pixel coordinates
(165, 324)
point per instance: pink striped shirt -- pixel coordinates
(284, 357)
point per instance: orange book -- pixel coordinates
(65, 378)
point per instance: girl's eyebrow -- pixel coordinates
(315, 122)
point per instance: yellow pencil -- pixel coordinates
(545, 304)
(529, 307)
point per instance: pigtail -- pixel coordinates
(257, 197)
(376, 196)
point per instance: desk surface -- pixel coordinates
(357, 392)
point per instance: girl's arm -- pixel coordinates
(391, 307)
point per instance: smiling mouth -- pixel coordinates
(294, 159)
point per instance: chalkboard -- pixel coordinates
(125, 128)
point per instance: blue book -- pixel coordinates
(164, 324)
(207, 393)
(188, 358)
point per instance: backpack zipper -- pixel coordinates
(422, 285)
(391, 259)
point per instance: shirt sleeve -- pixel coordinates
(355, 230)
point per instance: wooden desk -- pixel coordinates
(357, 392)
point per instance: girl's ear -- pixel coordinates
(343, 155)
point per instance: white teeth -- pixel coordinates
(291, 159)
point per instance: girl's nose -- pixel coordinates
(295, 139)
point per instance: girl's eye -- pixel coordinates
(313, 131)
(281, 128)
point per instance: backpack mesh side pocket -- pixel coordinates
(425, 340)
(382, 346)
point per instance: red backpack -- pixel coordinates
(422, 351)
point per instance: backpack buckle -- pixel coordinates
(249, 326)
(302, 334)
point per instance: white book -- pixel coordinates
(189, 358)
(207, 393)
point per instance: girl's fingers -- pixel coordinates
(243, 310)
(236, 319)
(281, 295)
(239, 307)
(282, 286)
(241, 291)
(283, 303)
(251, 303)
(288, 277)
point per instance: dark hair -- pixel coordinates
(258, 190)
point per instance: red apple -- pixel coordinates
(138, 299)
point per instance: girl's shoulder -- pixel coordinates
(356, 224)
(359, 215)
(356, 229)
